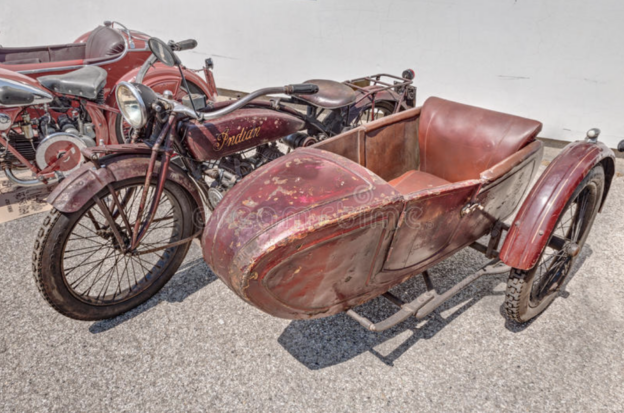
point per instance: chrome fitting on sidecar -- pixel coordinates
(592, 135)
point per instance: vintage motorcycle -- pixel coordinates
(56, 100)
(329, 227)
(326, 227)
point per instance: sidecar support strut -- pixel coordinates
(427, 302)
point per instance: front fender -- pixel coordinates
(161, 78)
(82, 185)
(538, 215)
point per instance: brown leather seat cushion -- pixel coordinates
(331, 94)
(414, 181)
(458, 142)
(104, 42)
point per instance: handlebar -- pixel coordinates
(183, 45)
(175, 46)
(301, 89)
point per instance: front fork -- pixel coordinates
(162, 150)
(140, 227)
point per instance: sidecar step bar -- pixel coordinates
(427, 302)
(407, 310)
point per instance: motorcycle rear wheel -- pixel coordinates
(530, 292)
(78, 265)
(368, 114)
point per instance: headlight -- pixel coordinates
(131, 104)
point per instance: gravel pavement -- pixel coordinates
(197, 347)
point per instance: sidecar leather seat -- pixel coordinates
(86, 82)
(457, 142)
(103, 43)
(331, 94)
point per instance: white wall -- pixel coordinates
(559, 61)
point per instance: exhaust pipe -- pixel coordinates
(22, 182)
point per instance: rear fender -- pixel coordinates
(538, 215)
(82, 185)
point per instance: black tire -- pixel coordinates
(123, 130)
(51, 246)
(530, 292)
(383, 108)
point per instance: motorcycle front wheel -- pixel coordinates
(80, 268)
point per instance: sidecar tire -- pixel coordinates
(49, 245)
(520, 306)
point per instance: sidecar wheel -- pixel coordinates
(83, 273)
(530, 292)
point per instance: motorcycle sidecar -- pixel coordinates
(329, 227)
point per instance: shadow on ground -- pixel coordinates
(326, 342)
(190, 278)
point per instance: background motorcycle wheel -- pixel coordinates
(123, 130)
(79, 268)
(382, 109)
(530, 292)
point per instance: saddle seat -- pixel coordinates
(331, 94)
(86, 82)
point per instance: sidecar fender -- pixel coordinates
(82, 185)
(538, 214)
(161, 78)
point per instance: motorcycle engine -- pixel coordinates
(233, 168)
(44, 139)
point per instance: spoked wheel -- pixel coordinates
(530, 292)
(80, 264)
(369, 114)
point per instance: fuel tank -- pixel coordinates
(239, 131)
(18, 90)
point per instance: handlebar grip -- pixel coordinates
(302, 89)
(185, 45)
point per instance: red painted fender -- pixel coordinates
(538, 215)
(83, 184)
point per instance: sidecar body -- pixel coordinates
(329, 227)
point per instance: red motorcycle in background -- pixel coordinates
(56, 100)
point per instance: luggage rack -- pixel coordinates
(399, 84)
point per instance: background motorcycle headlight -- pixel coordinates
(131, 105)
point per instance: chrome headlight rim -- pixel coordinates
(141, 103)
